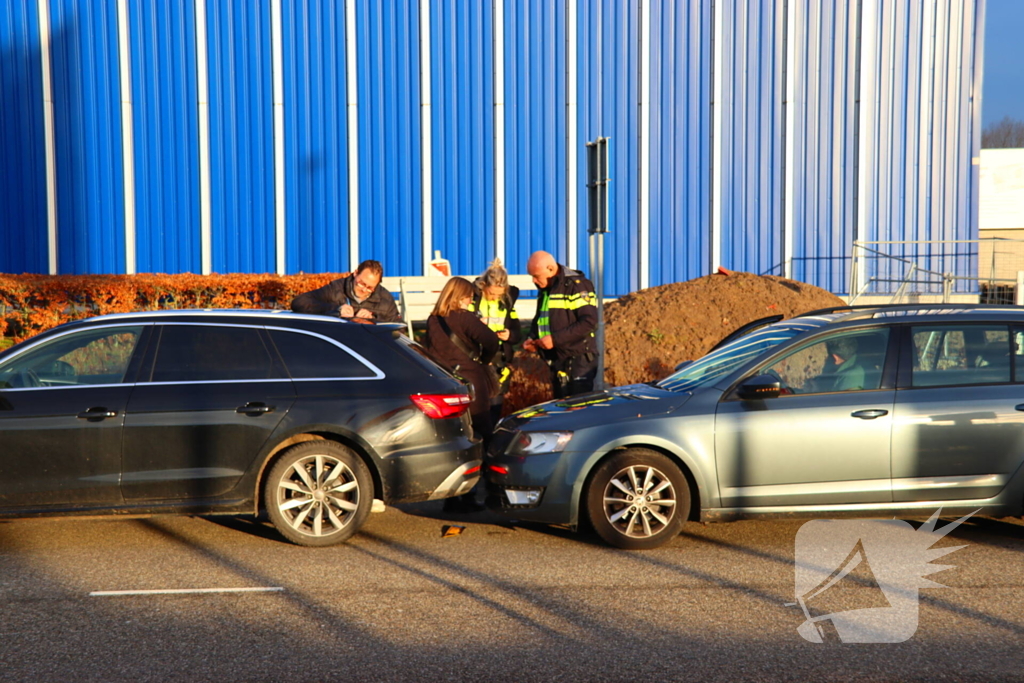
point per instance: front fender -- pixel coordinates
(695, 454)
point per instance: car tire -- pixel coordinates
(318, 493)
(627, 520)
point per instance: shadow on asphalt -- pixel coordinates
(248, 525)
(434, 510)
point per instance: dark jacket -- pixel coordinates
(512, 324)
(572, 314)
(478, 338)
(329, 299)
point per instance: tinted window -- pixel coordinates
(87, 357)
(204, 353)
(848, 361)
(309, 357)
(946, 355)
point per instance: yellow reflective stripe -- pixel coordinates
(572, 305)
(573, 301)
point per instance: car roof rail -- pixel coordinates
(909, 307)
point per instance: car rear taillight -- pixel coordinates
(440, 406)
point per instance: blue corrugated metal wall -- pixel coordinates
(391, 200)
(462, 132)
(830, 126)
(87, 132)
(751, 137)
(608, 56)
(23, 223)
(824, 142)
(535, 130)
(316, 136)
(241, 137)
(165, 135)
(920, 180)
(680, 140)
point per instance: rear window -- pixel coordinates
(420, 356)
(207, 353)
(950, 355)
(310, 357)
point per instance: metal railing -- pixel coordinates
(991, 268)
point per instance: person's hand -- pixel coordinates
(530, 345)
(546, 342)
(346, 311)
(504, 335)
(363, 313)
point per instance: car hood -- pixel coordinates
(598, 407)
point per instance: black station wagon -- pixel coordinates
(309, 418)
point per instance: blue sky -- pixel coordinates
(1003, 88)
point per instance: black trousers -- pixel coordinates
(574, 375)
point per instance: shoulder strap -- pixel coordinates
(456, 339)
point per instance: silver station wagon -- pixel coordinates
(883, 411)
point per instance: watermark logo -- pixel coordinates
(857, 581)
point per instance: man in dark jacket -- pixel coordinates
(563, 328)
(360, 295)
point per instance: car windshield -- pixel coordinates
(726, 359)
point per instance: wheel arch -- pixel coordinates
(687, 465)
(347, 440)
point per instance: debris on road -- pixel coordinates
(451, 530)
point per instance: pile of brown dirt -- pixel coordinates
(649, 332)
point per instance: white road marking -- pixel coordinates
(179, 591)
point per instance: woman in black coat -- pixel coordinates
(460, 341)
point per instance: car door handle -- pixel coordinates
(1019, 407)
(254, 408)
(869, 414)
(96, 414)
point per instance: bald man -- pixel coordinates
(563, 328)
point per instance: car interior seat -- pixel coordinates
(871, 357)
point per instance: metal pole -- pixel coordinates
(597, 195)
(599, 284)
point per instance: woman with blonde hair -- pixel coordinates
(494, 303)
(460, 341)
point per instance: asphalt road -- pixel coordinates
(499, 602)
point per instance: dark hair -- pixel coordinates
(844, 347)
(455, 290)
(373, 266)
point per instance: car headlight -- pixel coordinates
(532, 443)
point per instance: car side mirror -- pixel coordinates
(682, 365)
(759, 387)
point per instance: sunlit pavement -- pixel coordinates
(499, 602)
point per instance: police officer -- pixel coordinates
(563, 329)
(494, 303)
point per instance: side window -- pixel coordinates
(309, 357)
(849, 361)
(947, 355)
(206, 353)
(1018, 354)
(82, 358)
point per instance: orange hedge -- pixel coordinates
(30, 304)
